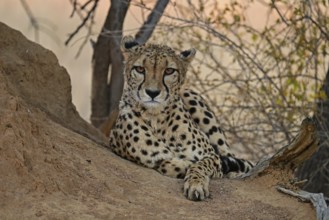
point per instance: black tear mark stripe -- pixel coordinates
(166, 87)
(140, 85)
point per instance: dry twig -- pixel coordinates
(317, 199)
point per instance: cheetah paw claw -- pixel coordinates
(196, 189)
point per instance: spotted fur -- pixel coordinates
(166, 127)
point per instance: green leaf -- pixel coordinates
(237, 18)
(254, 37)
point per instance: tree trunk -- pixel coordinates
(287, 159)
(294, 154)
(316, 169)
(106, 53)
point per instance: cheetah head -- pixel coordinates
(154, 73)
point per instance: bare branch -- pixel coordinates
(74, 3)
(33, 20)
(324, 32)
(84, 21)
(317, 200)
(148, 27)
(86, 4)
(40, 25)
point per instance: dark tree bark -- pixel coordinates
(287, 159)
(107, 53)
(116, 81)
(147, 29)
(316, 169)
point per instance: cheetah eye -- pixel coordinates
(139, 69)
(169, 71)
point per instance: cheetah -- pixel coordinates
(167, 127)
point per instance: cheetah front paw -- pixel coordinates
(196, 189)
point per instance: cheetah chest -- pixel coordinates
(181, 135)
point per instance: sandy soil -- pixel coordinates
(53, 165)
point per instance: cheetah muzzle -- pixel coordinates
(167, 127)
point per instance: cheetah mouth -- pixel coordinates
(151, 104)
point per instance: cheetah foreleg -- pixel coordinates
(196, 186)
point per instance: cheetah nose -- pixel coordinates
(152, 93)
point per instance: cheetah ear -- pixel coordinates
(188, 55)
(128, 43)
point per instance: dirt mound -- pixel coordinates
(51, 166)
